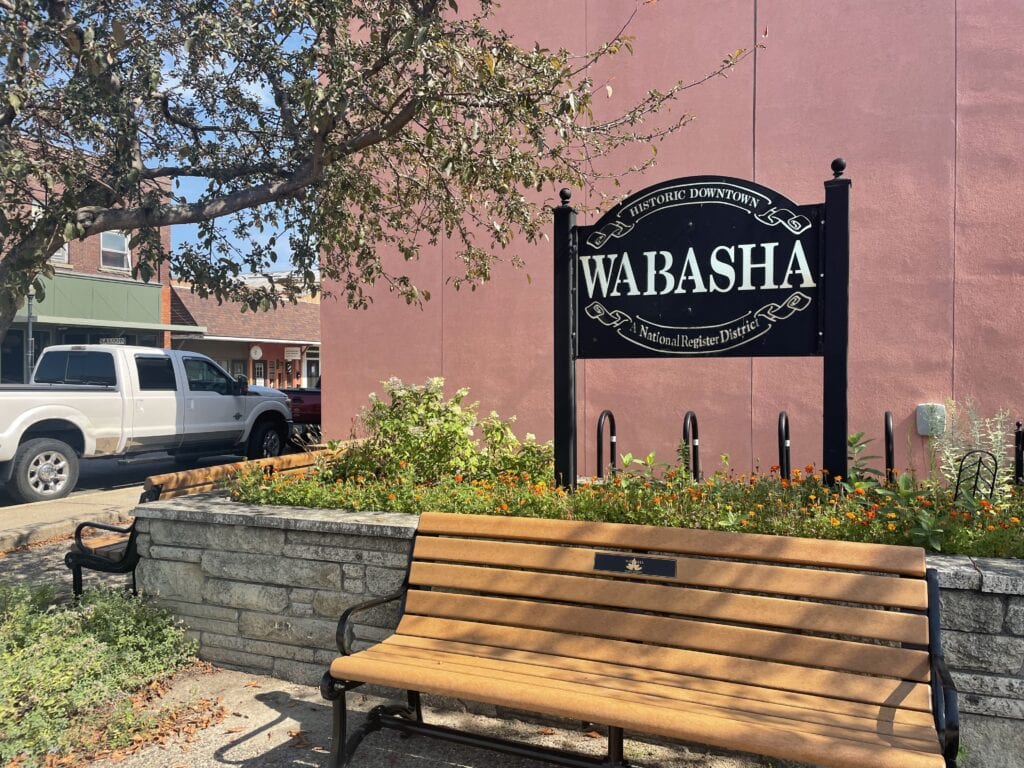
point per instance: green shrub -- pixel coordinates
(418, 434)
(66, 674)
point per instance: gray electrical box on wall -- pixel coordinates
(931, 419)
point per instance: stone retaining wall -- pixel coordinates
(262, 588)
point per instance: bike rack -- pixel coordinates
(1018, 454)
(608, 416)
(890, 450)
(784, 465)
(691, 440)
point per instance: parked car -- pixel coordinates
(108, 400)
(305, 407)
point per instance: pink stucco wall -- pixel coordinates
(925, 101)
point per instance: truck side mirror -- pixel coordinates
(241, 385)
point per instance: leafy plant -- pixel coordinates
(66, 673)
(968, 430)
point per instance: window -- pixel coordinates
(75, 367)
(114, 253)
(155, 373)
(204, 376)
(60, 256)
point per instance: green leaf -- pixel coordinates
(14, 100)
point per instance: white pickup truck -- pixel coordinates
(105, 400)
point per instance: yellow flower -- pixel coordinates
(891, 515)
(835, 521)
(891, 526)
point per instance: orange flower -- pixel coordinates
(990, 528)
(859, 491)
(891, 526)
(809, 468)
(835, 521)
(458, 478)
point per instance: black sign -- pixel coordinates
(700, 266)
(635, 565)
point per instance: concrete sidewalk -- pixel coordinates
(29, 523)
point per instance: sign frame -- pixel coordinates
(613, 332)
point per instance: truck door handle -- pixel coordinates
(238, 416)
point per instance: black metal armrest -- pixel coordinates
(342, 633)
(947, 709)
(101, 527)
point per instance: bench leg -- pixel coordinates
(76, 580)
(339, 733)
(415, 706)
(615, 753)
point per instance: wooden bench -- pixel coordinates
(822, 652)
(107, 554)
(174, 484)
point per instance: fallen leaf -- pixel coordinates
(594, 735)
(252, 684)
(234, 730)
(546, 731)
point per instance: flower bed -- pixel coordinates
(422, 455)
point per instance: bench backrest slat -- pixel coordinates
(816, 607)
(700, 603)
(849, 587)
(676, 633)
(906, 561)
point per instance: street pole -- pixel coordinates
(564, 346)
(30, 352)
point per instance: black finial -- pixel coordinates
(838, 166)
(565, 194)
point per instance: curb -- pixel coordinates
(20, 537)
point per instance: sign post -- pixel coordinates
(704, 266)
(565, 342)
(836, 321)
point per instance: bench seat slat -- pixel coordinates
(678, 633)
(907, 561)
(722, 606)
(788, 677)
(864, 589)
(561, 665)
(701, 724)
(681, 697)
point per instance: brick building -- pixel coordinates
(277, 348)
(92, 298)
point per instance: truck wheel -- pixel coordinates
(266, 441)
(43, 469)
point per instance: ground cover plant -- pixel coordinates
(72, 678)
(425, 453)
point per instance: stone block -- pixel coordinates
(266, 569)
(232, 538)
(371, 634)
(199, 610)
(179, 554)
(355, 586)
(262, 648)
(1015, 616)
(989, 685)
(374, 543)
(170, 580)
(955, 572)
(210, 625)
(1004, 577)
(331, 605)
(300, 609)
(341, 555)
(253, 597)
(302, 595)
(142, 544)
(384, 581)
(248, 662)
(353, 570)
(316, 633)
(997, 654)
(991, 742)
(298, 672)
(993, 706)
(971, 611)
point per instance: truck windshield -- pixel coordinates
(76, 367)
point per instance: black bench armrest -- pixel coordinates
(342, 633)
(947, 708)
(100, 527)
